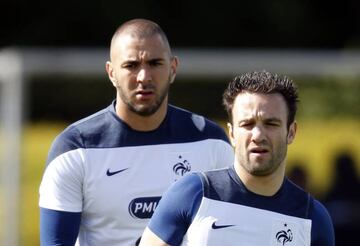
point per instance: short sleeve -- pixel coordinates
(177, 209)
(322, 232)
(61, 185)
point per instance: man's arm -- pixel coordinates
(175, 212)
(60, 191)
(58, 227)
(151, 239)
(322, 232)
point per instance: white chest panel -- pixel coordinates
(220, 223)
(117, 189)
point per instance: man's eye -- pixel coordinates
(155, 63)
(129, 65)
(246, 124)
(273, 124)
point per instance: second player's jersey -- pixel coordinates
(115, 175)
(217, 209)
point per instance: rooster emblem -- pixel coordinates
(182, 167)
(284, 236)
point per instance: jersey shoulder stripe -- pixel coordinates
(105, 129)
(289, 200)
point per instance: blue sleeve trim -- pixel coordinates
(322, 233)
(176, 209)
(58, 228)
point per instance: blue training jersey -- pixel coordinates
(103, 180)
(215, 208)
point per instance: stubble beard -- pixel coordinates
(145, 110)
(263, 168)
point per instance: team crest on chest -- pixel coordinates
(284, 236)
(182, 166)
(286, 233)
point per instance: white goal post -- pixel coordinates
(17, 65)
(10, 142)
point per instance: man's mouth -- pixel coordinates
(144, 94)
(259, 150)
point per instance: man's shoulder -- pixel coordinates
(318, 210)
(88, 125)
(91, 122)
(199, 124)
(196, 119)
(91, 131)
(295, 190)
(216, 175)
(218, 184)
(322, 226)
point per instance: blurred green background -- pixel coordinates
(328, 116)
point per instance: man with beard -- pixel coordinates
(251, 203)
(106, 173)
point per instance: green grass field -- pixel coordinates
(315, 146)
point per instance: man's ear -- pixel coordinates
(111, 73)
(292, 132)
(231, 133)
(174, 65)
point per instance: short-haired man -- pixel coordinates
(251, 203)
(106, 173)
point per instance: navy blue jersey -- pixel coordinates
(215, 208)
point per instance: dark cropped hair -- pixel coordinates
(262, 82)
(141, 28)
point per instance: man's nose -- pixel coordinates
(143, 75)
(257, 134)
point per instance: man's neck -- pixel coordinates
(142, 123)
(262, 185)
